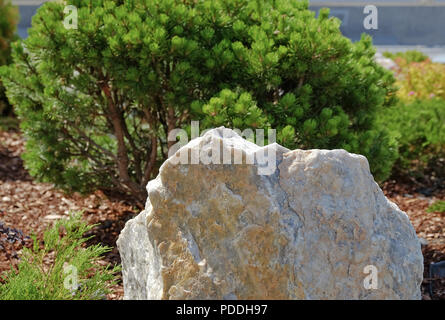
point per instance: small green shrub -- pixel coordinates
(72, 266)
(419, 129)
(97, 102)
(438, 206)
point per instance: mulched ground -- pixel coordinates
(28, 207)
(430, 227)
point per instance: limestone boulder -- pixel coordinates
(315, 226)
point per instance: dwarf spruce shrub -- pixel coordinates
(97, 102)
(61, 269)
(8, 25)
(418, 128)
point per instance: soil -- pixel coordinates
(28, 207)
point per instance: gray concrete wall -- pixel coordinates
(403, 25)
(27, 9)
(401, 22)
(26, 13)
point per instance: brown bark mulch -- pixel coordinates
(430, 227)
(28, 207)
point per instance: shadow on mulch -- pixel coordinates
(437, 290)
(106, 233)
(11, 167)
(11, 164)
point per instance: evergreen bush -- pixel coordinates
(61, 269)
(96, 102)
(418, 128)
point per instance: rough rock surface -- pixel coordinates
(307, 231)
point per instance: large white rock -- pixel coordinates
(309, 230)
